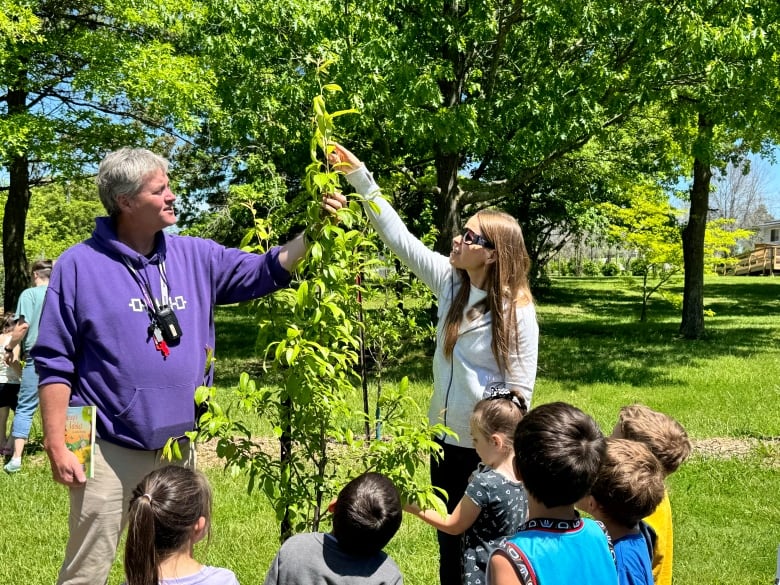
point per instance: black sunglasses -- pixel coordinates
(470, 238)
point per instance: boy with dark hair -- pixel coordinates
(366, 515)
(668, 441)
(558, 452)
(629, 486)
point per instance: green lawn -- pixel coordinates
(593, 353)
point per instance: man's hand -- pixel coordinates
(332, 202)
(65, 467)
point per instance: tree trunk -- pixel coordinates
(447, 213)
(14, 256)
(285, 458)
(692, 326)
(448, 163)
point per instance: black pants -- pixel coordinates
(451, 474)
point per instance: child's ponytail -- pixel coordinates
(164, 508)
(140, 554)
(499, 412)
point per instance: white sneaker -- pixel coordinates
(13, 465)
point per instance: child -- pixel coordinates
(170, 510)
(668, 441)
(495, 504)
(366, 515)
(558, 451)
(10, 380)
(629, 486)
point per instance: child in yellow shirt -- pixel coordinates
(668, 441)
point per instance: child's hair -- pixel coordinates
(9, 320)
(164, 507)
(499, 413)
(41, 268)
(630, 482)
(367, 514)
(558, 450)
(664, 436)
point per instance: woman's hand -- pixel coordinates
(343, 160)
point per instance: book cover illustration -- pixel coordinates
(80, 435)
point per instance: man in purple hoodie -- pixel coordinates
(126, 324)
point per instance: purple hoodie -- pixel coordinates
(94, 328)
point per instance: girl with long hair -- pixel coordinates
(486, 336)
(170, 511)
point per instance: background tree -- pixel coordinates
(59, 217)
(79, 79)
(649, 226)
(740, 194)
(724, 112)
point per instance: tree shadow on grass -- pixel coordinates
(756, 297)
(590, 332)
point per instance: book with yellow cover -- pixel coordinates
(80, 435)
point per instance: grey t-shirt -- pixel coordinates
(315, 558)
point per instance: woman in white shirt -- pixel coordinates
(486, 336)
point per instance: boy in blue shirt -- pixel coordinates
(629, 486)
(558, 452)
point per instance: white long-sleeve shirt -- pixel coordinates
(458, 383)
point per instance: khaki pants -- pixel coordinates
(98, 510)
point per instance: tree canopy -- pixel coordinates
(79, 79)
(545, 108)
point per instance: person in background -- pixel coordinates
(366, 515)
(127, 326)
(170, 511)
(629, 486)
(668, 441)
(10, 381)
(558, 453)
(486, 336)
(24, 334)
(495, 504)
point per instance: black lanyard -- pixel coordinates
(153, 308)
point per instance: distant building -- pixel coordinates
(768, 233)
(764, 259)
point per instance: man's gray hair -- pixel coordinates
(122, 172)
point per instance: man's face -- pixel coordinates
(152, 208)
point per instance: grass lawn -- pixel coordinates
(593, 353)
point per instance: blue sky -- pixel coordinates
(773, 189)
(771, 183)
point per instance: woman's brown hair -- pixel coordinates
(507, 287)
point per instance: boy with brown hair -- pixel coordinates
(668, 441)
(629, 486)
